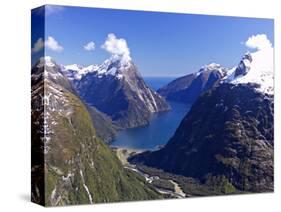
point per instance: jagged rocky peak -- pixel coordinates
(46, 64)
(255, 68)
(115, 66)
(46, 61)
(244, 65)
(48, 70)
(118, 89)
(43, 68)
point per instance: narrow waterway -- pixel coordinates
(156, 134)
(161, 128)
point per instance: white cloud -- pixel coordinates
(117, 47)
(50, 43)
(259, 42)
(53, 9)
(90, 46)
(38, 45)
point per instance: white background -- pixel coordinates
(15, 104)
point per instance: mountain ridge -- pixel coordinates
(228, 133)
(188, 88)
(117, 89)
(76, 166)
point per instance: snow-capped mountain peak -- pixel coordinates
(212, 67)
(76, 72)
(114, 66)
(47, 70)
(46, 61)
(74, 67)
(256, 68)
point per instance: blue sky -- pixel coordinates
(161, 44)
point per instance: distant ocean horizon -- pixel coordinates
(156, 82)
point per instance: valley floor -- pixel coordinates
(168, 187)
(169, 184)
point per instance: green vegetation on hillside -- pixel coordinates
(79, 161)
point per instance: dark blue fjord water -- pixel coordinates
(161, 128)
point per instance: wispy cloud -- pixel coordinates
(117, 46)
(50, 43)
(259, 42)
(89, 46)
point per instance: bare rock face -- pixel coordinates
(118, 90)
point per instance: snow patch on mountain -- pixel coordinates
(47, 66)
(114, 66)
(256, 68)
(76, 72)
(46, 61)
(211, 67)
(73, 67)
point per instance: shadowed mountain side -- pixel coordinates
(188, 88)
(117, 89)
(228, 134)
